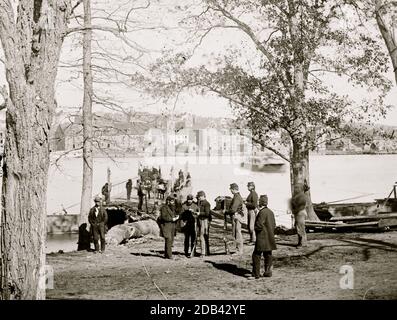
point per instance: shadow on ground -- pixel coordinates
(231, 268)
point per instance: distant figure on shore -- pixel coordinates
(140, 194)
(236, 213)
(106, 193)
(128, 186)
(98, 219)
(168, 220)
(188, 179)
(161, 189)
(181, 177)
(265, 241)
(252, 207)
(298, 208)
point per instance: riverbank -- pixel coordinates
(138, 271)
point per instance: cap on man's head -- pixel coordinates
(263, 200)
(200, 194)
(189, 197)
(97, 199)
(251, 184)
(170, 198)
(234, 186)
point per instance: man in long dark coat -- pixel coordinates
(168, 220)
(265, 242)
(98, 219)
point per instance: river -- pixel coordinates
(332, 178)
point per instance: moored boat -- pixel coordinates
(265, 162)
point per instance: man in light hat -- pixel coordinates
(252, 207)
(265, 241)
(168, 220)
(237, 214)
(203, 221)
(188, 217)
(98, 219)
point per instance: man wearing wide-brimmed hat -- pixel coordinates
(252, 207)
(265, 241)
(98, 219)
(237, 214)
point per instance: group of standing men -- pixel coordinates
(261, 225)
(194, 217)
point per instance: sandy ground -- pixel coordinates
(138, 271)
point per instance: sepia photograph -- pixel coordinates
(208, 151)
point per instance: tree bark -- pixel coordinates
(32, 44)
(386, 29)
(86, 194)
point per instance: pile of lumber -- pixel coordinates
(379, 221)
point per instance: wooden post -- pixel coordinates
(109, 182)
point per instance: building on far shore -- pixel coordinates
(152, 134)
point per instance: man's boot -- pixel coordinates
(268, 266)
(299, 242)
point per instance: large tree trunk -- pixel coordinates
(31, 47)
(300, 174)
(86, 193)
(388, 28)
(299, 160)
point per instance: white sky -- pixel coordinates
(69, 94)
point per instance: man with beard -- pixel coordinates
(168, 220)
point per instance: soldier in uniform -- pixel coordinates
(265, 241)
(106, 192)
(98, 219)
(236, 212)
(168, 220)
(252, 207)
(128, 186)
(188, 219)
(203, 221)
(140, 194)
